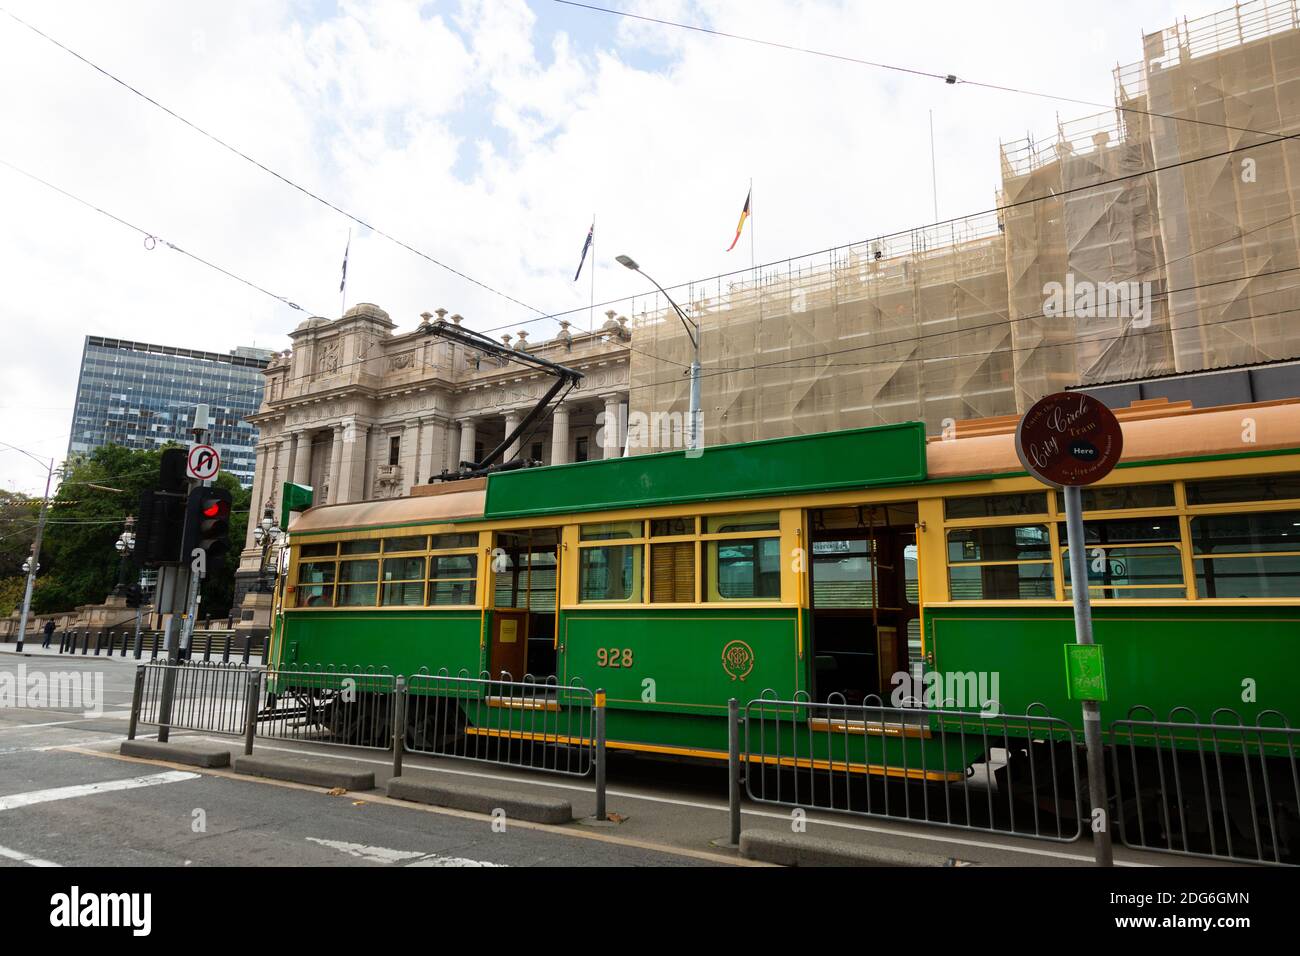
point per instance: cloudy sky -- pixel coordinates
(486, 134)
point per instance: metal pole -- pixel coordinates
(733, 769)
(250, 709)
(36, 552)
(137, 698)
(601, 811)
(1091, 709)
(399, 724)
(138, 648)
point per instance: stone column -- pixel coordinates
(611, 446)
(512, 422)
(302, 458)
(336, 464)
(261, 478)
(451, 452)
(410, 457)
(351, 486)
(560, 435)
(467, 438)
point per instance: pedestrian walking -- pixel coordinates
(49, 632)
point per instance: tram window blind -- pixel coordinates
(672, 572)
(445, 542)
(370, 546)
(319, 550)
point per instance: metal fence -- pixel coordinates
(944, 767)
(349, 707)
(193, 695)
(1225, 789)
(538, 725)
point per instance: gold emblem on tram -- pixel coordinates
(738, 660)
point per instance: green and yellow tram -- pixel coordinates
(829, 565)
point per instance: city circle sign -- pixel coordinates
(1069, 438)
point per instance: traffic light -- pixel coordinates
(160, 524)
(207, 525)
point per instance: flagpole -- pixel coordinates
(591, 310)
(343, 286)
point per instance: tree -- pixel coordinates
(79, 559)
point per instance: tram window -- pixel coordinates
(446, 542)
(1246, 488)
(416, 542)
(995, 506)
(739, 524)
(1132, 572)
(748, 569)
(315, 584)
(319, 550)
(842, 574)
(1001, 582)
(1247, 555)
(671, 527)
(358, 583)
(1128, 531)
(610, 530)
(403, 581)
(370, 546)
(452, 578)
(1010, 563)
(315, 595)
(1010, 543)
(1115, 497)
(610, 573)
(672, 572)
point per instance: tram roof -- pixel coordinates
(1154, 430)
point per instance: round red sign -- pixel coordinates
(1069, 438)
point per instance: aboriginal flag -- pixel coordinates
(744, 214)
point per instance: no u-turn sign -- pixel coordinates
(202, 462)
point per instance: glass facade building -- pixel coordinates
(142, 396)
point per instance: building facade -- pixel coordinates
(359, 410)
(142, 396)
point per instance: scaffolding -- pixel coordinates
(1168, 257)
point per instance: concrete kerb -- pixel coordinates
(796, 849)
(192, 754)
(459, 796)
(309, 770)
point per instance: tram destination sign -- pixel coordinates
(1069, 438)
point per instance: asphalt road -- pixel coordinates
(67, 798)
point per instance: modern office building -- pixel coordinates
(142, 396)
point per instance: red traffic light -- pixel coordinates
(216, 509)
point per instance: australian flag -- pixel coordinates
(348, 248)
(585, 246)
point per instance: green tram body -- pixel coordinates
(1160, 654)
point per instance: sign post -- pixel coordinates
(1068, 440)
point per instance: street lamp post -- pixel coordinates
(125, 547)
(693, 441)
(32, 565)
(266, 535)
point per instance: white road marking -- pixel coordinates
(694, 804)
(15, 800)
(59, 723)
(20, 857)
(380, 854)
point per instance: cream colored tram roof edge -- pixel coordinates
(418, 509)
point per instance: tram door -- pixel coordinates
(524, 601)
(864, 600)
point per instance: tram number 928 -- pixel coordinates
(613, 657)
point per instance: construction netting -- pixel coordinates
(1130, 245)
